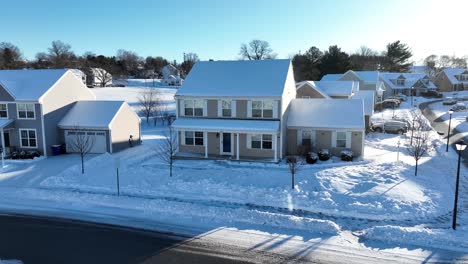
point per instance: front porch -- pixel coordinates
(228, 139)
(196, 156)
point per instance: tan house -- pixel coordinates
(240, 110)
(452, 79)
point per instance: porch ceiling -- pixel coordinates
(227, 125)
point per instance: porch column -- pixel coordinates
(237, 146)
(275, 146)
(205, 140)
(3, 147)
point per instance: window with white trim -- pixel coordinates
(3, 111)
(306, 138)
(226, 108)
(400, 81)
(193, 138)
(26, 111)
(28, 138)
(262, 108)
(264, 141)
(341, 139)
(193, 107)
(464, 77)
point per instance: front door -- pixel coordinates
(226, 143)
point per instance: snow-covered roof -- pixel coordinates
(411, 79)
(368, 98)
(227, 125)
(368, 76)
(29, 85)
(451, 72)
(5, 122)
(418, 69)
(331, 88)
(91, 114)
(326, 114)
(236, 78)
(331, 77)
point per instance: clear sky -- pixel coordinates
(215, 29)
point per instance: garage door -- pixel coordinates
(97, 140)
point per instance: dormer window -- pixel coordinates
(400, 82)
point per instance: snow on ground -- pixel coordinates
(10, 261)
(458, 118)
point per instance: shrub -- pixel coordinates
(311, 157)
(324, 154)
(346, 155)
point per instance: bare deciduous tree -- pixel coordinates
(102, 76)
(294, 165)
(257, 50)
(146, 100)
(166, 150)
(419, 146)
(81, 142)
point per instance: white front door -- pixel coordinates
(226, 144)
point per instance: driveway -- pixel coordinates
(31, 173)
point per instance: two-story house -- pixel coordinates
(406, 83)
(452, 79)
(34, 102)
(240, 110)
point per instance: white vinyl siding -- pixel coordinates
(25, 111)
(3, 111)
(28, 138)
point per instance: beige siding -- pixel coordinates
(308, 91)
(356, 143)
(126, 123)
(212, 109)
(323, 139)
(241, 109)
(291, 145)
(442, 82)
(213, 143)
(256, 153)
(190, 149)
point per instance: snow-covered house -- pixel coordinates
(452, 79)
(368, 98)
(406, 83)
(34, 102)
(241, 110)
(171, 76)
(98, 77)
(368, 80)
(80, 75)
(327, 89)
(326, 124)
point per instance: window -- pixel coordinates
(193, 107)
(262, 108)
(226, 109)
(3, 111)
(28, 138)
(261, 141)
(341, 139)
(26, 111)
(464, 77)
(400, 81)
(193, 138)
(306, 138)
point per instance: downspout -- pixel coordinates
(43, 130)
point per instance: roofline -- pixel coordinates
(226, 96)
(6, 89)
(118, 111)
(326, 128)
(67, 71)
(83, 127)
(315, 88)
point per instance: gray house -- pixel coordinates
(34, 102)
(240, 110)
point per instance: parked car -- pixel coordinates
(391, 126)
(458, 107)
(387, 103)
(449, 101)
(400, 97)
(432, 93)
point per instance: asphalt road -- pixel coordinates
(47, 240)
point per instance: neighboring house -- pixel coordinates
(98, 77)
(34, 102)
(452, 79)
(368, 80)
(406, 83)
(327, 89)
(80, 75)
(368, 97)
(171, 76)
(326, 124)
(241, 110)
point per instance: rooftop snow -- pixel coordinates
(91, 114)
(236, 78)
(326, 113)
(368, 76)
(228, 125)
(451, 72)
(410, 80)
(29, 85)
(368, 98)
(331, 77)
(332, 88)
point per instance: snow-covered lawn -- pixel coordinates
(458, 118)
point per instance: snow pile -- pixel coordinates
(419, 236)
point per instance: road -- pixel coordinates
(52, 240)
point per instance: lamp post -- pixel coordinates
(448, 132)
(460, 145)
(398, 151)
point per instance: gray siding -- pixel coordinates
(308, 91)
(291, 142)
(126, 123)
(241, 109)
(213, 144)
(26, 124)
(4, 95)
(212, 108)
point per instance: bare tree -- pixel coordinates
(366, 51)
(147, 102)
(81, 142)
(257, 50)
(166, 150)
(61, 55)
(419, 146)
(189, 60)
(294, 165)
(10, 56)
(102, 76)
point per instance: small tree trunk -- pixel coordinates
(170, 168)
(292, 183)
(416, 169)
(147, 119)
(82, 164)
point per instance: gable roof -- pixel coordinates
(451, 72)
(368, 76)
(331, 77)
(312, 85)
(326, 114)
(368, 99)
(236, 78)
(331, 88)
(91, 114)
(410, 80)
(29, 85)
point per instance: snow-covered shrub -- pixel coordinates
(324, 154)
(347, 155)
(311, 157)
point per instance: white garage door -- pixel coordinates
(97, 140)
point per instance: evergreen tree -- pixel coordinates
(398, 55)
(335, 61)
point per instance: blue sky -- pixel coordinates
(216, 29)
